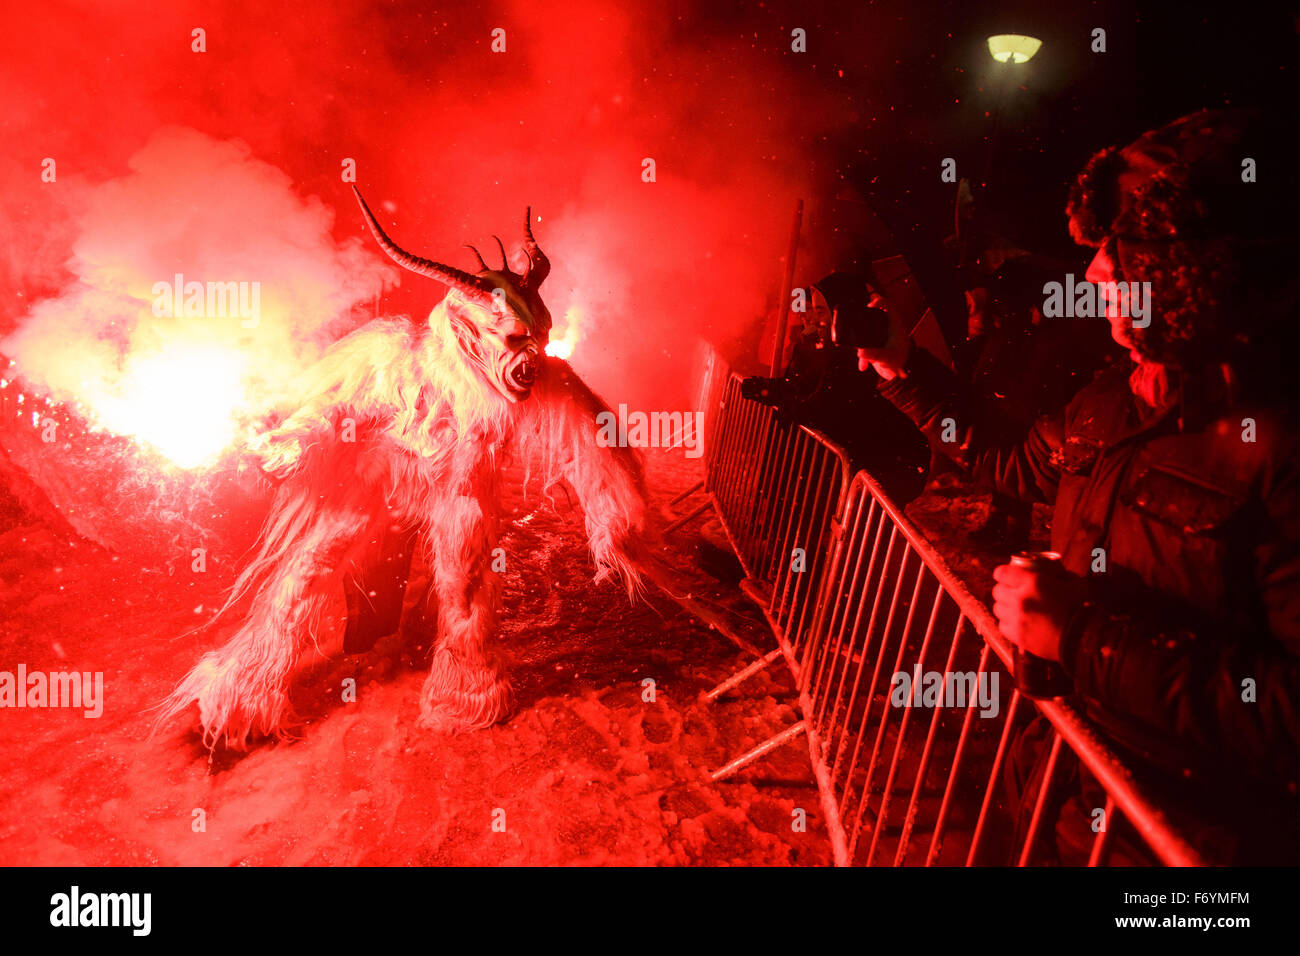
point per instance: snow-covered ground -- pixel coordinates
(587, 771)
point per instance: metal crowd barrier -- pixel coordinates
(777, 488)
(953, 781)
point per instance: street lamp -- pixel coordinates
(1013, 47)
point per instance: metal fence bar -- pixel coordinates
(774, 490)
(1101, 844)
(1045, 789)
(807, 538)
(779, 557)
(936, 838)
(864, 724)
(825, 526)
(870, 631)
(749, 455)
(887, 790)
(909, 819)
(723, 463)
(839, 637)
(761, 499)
(845, 547)
(777, 486)
(992, 787)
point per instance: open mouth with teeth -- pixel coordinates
(521, 374)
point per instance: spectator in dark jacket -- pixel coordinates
(821, 388)
(1175, 478)
(1020, 366)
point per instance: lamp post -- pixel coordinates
(1011, 49)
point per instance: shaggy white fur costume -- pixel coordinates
(430, 429)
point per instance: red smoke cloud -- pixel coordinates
(450, 139)
(143, 359)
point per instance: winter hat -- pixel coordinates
(1202, 208)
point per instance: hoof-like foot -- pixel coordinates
(233, 704)
(457, 698)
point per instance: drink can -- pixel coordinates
(1036, 559)
(1036, 676)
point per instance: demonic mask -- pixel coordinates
(498, 317)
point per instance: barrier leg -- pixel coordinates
(688, 517)
(743, 675)
(766, 747)
(687, 493)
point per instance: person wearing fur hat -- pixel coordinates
(1174, 476)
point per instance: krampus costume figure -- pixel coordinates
(397, 445)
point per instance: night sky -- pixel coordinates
(453, 140)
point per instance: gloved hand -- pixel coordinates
(769, 391)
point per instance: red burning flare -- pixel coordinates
(561, 346)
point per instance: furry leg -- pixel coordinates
(242, 687)
(464, 689)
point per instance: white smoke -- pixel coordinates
(209, 211)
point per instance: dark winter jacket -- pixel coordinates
(822, 389)
(1198, 532)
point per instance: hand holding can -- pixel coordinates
(1036, 676)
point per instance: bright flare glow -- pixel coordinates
(562, 347)
(184, 401)
(1014, 47)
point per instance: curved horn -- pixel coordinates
(505, 263)
(538, 265)
(472, 286)
(479, 256)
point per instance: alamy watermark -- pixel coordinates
(75, 908)
(71, 689)
(214, 300)
(651, 430)
(956, 689)
(1088, 300)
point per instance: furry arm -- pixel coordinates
(608, 480)
(368, 371)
